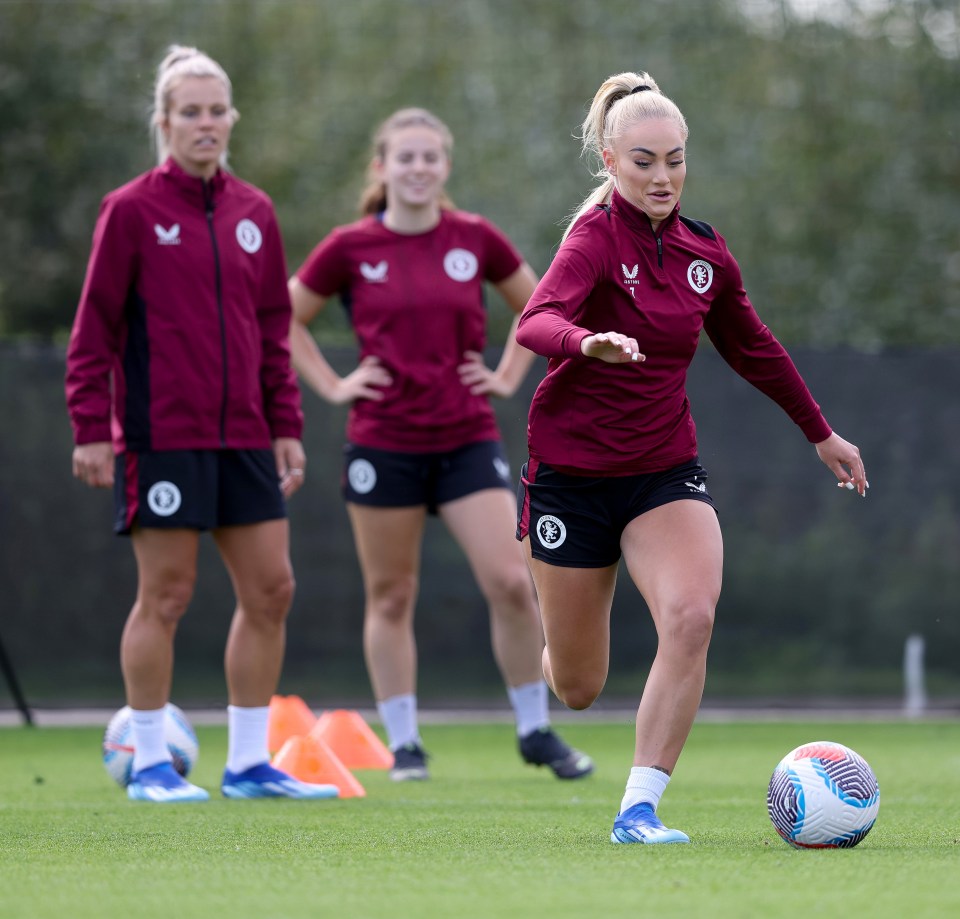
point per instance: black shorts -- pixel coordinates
(576, 521)
(390, 478)
(196, 489)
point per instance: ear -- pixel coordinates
(609, 160)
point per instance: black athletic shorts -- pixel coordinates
(196, 489)
(576, 521)
(390, 478)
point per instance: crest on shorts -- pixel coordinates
(502, 467)
(164, 499)
(362, 476)
(551, 531)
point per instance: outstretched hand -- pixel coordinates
(843, 459)
(611, 347)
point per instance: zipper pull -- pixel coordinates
(659, 252)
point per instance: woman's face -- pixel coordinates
(648, 166)
(414, 167)
(197, 124)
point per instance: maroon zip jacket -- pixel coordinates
(614, 274)
(181, 338)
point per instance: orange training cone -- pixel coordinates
(311, 760)
(289, 717)
(353, 740)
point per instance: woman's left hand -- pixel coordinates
(291, 464)
(480, 379)
(844, 460)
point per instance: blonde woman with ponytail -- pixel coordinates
(613, 469)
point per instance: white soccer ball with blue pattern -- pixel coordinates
(823, 795)
(118, 743)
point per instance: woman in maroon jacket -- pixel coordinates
(613, 466)
(182, 399)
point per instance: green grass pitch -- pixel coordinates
(486, 837)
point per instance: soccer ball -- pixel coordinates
(823, 795)
(118, 743)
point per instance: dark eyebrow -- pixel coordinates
(651, 153)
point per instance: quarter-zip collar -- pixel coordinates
(196, 190)
(637, 219)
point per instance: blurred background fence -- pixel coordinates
(823, 145)
(821, 588)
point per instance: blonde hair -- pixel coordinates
(180, 62)
(619, 103)
(373, 198)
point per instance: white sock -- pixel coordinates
(529, 706)
(644, 784)
(247, 737)
(399, 717)
(149, 738)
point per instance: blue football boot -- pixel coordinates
(640, 823)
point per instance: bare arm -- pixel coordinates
(314, 368)
(515, 360)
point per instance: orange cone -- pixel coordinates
(311, 760)
(289, 717)
(353, 740)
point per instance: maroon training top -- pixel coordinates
(416, 302)
(613, 274)
(181, 338)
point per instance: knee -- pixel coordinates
(512, 591)
(392, 601)
(691, 626)
(580, 695)
(166, 602)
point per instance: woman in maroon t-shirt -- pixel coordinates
(613, 467)
(422, 436)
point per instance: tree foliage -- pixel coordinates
(822, 147)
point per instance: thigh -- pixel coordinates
(257, 555)
(388, 542)
(575, 610)
(165, 558)
(674, 554)
(483, 523)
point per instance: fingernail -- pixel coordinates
(849, 486)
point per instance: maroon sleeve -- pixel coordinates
(281, 394)
(548, 321)
(751, 349)
(325, 270)
(99, 324)
(502, 257)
